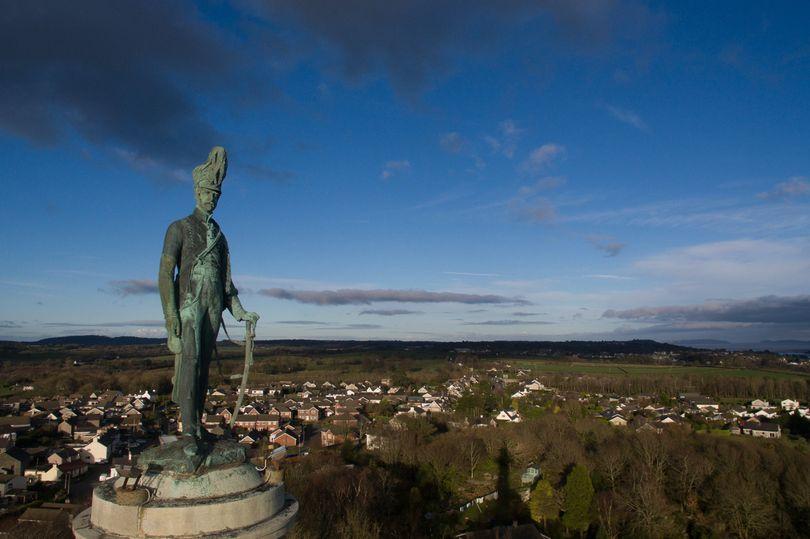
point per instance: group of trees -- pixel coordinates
(596, 481)
(767, 386)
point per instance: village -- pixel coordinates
(53, 451)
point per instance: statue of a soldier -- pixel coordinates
(195, 288)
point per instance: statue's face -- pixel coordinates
(206, 199)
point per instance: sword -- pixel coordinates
(250, 333)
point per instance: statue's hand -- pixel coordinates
(173, 325)
(251, 317)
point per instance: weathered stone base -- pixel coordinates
(233, 502)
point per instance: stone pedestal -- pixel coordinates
(231, 500)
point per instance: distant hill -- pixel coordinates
(485, 348)
(98, 340)
(773, 346)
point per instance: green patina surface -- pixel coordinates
(195, 286)
(188, 456)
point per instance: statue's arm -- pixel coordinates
(232, 302)
(172, 245)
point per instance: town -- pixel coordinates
(55, 448)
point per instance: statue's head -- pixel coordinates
(208, 179)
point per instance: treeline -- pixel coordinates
(57, 377)
(714, 385)
(596, 481)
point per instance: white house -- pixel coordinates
(432, 406)
(95, 452)
(759, 403)
(534, 385)
(789, 404)
(761, 430)
(44, 474)
(508, 415)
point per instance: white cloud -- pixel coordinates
(452, 142)
(607, 244)
(543, 156)
(714, 214)
(393, 167)
(505, 142)
(734, 268)
(627, 116)
(795, 187)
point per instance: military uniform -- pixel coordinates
(195, 283)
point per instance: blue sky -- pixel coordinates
(415, 170)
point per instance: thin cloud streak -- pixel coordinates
(627, 116)
(389, 312)
(134, 287)
(607, 244)
(508, 323)
(470, 274)
(350, 296)
(795, 187)
(762, 310)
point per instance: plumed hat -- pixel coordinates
(211, 174)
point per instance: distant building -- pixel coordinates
(761, 429)
(789, 405)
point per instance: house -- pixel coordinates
(329, 438)
(263, 422)
(283, 437)
(16, 422)
(789, 405)
(282, 411)
(617, 420)
(534, 385)
(95, 411)
(432, 407)
(508, 415)
(247, 439)
(63, 456)
(309, 413)
(73, 469)
(14, 461)
(95, 452)
(10, 483)
(67, 413)
(413, 411)
(46, 473)
(759, 403)
(344, 420)
(761, 429)
(132, 421)
(66, 427)
(85, 431)
(651, 426)
(705, 404)
(138, 404)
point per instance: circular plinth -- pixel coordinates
(233, 502)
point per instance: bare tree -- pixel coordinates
(472, 452)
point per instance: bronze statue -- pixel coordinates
(195, 287)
